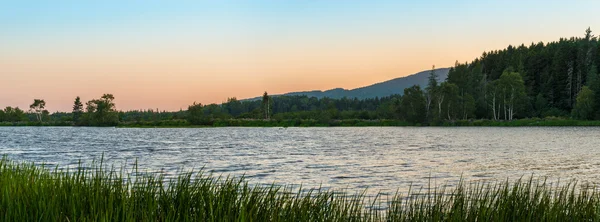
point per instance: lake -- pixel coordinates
(378, 158)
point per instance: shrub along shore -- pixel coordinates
(317, 123)
(362, 123)
(31, 192)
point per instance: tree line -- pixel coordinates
(97, 112)
(102, 111)
(556, 79)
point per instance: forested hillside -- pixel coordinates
(558, 79)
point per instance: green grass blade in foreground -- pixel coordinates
(30, 192)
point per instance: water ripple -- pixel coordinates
(343, 158)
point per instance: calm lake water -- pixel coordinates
(381, 159)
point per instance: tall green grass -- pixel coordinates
(35, 193)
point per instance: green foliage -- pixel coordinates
(506, 95)
(195, 114)
(449, 105)
(13, 115)
(413, 105)
(156, 124)
(150, 115)
(77, 110)
(594, 84)
(37, 107)
(541, 105)
(548, 121)
(233, 106)
(539, 80)
(266, 105)
(198, 114)
(101, 112)
(554, 112)
(467, 106)
(584, 108)
(556, 71)
(93, 193)
(430, 93)
(432, 81)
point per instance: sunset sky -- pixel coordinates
(168, 54)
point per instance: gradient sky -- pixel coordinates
(168, 54)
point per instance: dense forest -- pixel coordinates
(543, 80)
(554, 79)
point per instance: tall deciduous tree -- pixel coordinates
(14, 114)
(37, 107)
(102, 112)
(412, 106)
(467, 106)
(493, 96)
(511, 90)
(195, 114)
(584, 107)
(449, 105)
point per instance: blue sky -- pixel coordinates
(177, 52)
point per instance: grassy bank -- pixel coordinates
(360, 123)
(323, 123)
(271, 123)
(34, 193)
(27, 123)
(522, 122)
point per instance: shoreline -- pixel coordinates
(335, 123)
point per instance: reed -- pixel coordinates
(31, 192)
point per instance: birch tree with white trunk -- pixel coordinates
(37, 108)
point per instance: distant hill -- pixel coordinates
(382, 89)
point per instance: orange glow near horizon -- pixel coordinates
(171, 82)
(149, 57)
